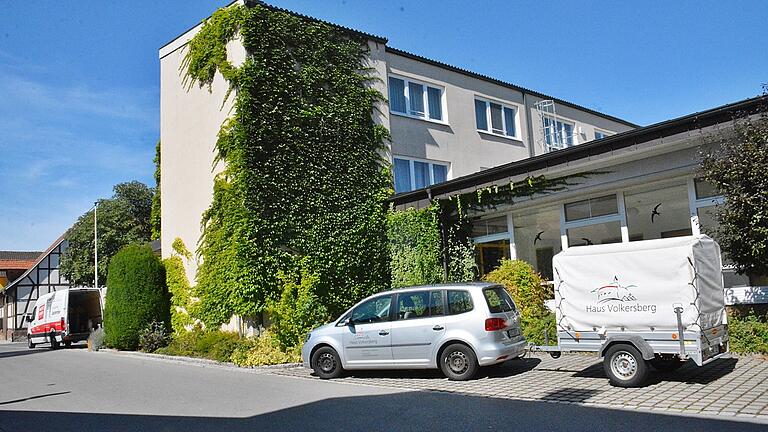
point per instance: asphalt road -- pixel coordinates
(74, 390)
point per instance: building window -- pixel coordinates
(413, 174)
(492, 243)
(503, 118)
(415, 99)
(591, 208)
(592, 221)
(557, 133)
(537, 238)
(658, 212)
(600, 134)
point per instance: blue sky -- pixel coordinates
(79, 90)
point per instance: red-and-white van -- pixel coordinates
(64, 316)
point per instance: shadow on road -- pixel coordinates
(402, 411)
(33, 397)
(23, 352)
(689, 373)
(501, 370)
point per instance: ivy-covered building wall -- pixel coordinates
(302, 173)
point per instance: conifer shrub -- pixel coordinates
(136, 296)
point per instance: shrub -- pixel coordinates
(180, 291)
(528, 291)
(265, 350)
(209, 344)
(136, 296)
(298, 311)
(154, 337)
(748, 333)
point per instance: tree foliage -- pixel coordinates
(305, 179)
(136, 296)
(737, 167)
(122, 220)
(155, 212)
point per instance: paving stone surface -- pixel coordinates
(736, 386)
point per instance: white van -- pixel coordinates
(64, 316)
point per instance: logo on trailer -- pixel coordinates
(614, 291)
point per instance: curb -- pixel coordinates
(200, 362)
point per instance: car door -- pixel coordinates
(367, 339)
(419, 326)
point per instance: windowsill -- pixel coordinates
(425, 119)
(511, 138)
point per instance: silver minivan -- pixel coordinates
(453, 327)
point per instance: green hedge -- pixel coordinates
(136, 296)
(414, 240)
(748, 333)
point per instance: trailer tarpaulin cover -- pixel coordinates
(636, 285)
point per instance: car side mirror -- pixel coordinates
(348, 322)
(29, 318)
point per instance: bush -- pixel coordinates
(298, 311)
(748, 333)
(180, 291)
(265, 350)
(154, 337)
(528, 291)
(136, 296)
(209, 344)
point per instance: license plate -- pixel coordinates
(513, 333)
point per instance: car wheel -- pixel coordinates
(54, 342)
(625, 366)
(30, 344)
(326, 363)
(666, 364)
(458, 362)
(68, 344)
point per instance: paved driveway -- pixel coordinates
(734, 387)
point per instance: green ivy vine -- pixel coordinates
(305, 182)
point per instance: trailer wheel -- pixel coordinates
(625, 366)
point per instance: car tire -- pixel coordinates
(666, 364)
(326, 363)
(458, 362)
(30, 344)
(68, 344)
(54, 342)
(625, 366)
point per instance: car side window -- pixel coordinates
(459, 302)
(373, 310)
(412, 305)
(436, 304)
(34, 313)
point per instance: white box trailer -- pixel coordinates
(654, 302)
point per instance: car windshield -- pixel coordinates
(498, 300)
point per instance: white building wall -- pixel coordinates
(190, 120)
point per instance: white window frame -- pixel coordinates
(620, 216)
(429, 162)
(605, 133)
(425, 95)
(556, 120)
(490, 130)
(508, 235)
(695, 203)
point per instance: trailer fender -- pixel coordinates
(638, 342)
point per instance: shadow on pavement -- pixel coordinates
(689, 373)
(25, 351)
(501, 370)
(33, 397)
(409, 411)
